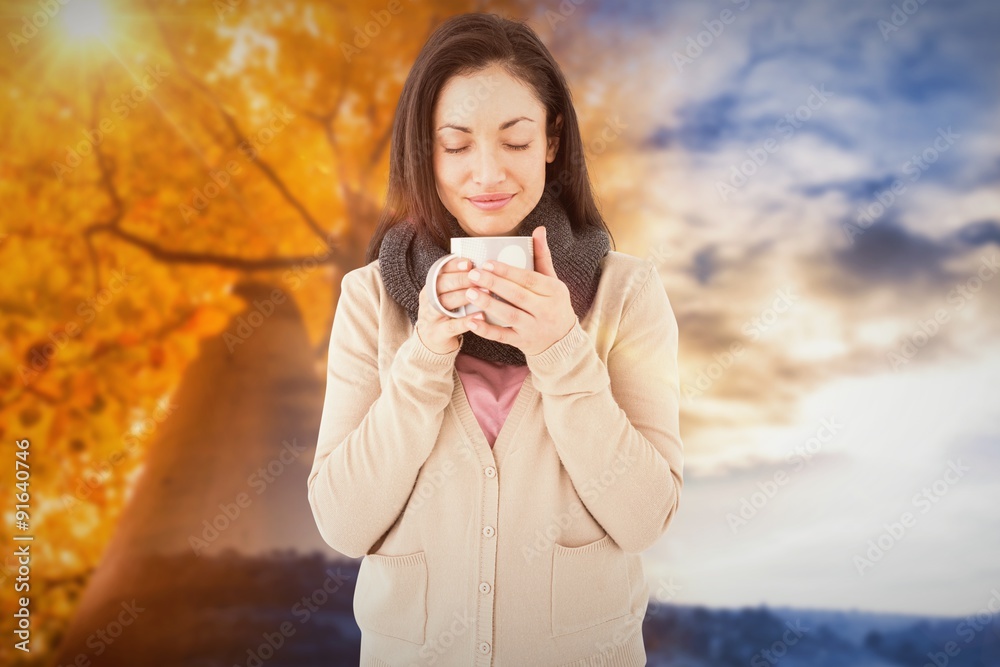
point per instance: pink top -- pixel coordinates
(491, 388)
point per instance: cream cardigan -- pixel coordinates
(526, 554)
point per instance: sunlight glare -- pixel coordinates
(86, 20)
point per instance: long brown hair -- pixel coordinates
(466, 44)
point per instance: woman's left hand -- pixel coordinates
(540, 312)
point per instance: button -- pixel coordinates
(488, 531)
(490, 471)
(484, 647)
(484, 587)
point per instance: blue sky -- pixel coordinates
(872, 213)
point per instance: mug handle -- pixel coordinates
(432, 276)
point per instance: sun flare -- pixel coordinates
(86, 20)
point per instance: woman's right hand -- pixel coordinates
(438, 332)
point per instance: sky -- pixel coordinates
(821, 192)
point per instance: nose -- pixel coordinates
(488, 168)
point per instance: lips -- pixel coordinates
(496, 196)
(491, 201)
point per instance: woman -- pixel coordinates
(499, 483)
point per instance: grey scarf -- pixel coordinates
(407, 252)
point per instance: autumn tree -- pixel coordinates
(163, 162)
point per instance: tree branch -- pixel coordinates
(190, 257)
(112, 225)
(237, 134)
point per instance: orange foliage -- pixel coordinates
(144, 173)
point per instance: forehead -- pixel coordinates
(485, 99)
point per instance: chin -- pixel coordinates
(484, 225)
(501, 230)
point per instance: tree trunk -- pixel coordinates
(226, 471)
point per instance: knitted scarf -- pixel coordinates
(407, 252)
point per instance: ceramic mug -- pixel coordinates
(517, 251)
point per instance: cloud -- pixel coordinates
(861, 297)
(887, 252)
(979, 233)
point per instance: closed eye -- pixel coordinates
(515, 147)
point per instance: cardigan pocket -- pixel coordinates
(589, 585)
(390, 596)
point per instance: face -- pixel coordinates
(490, 143)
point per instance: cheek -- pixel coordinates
(448, 174)
(530, 168)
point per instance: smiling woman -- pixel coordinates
(491, 108)
(498, 482)
(491, 175)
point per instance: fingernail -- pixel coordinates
(472, 294)
(463, 265)
(488, 266)
(474, 274)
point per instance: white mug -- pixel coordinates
(517, 251)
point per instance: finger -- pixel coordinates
(456, 264)
(453, 280)
(519, 296)
(454, 299)
(543, 254)
(462, 324)
(450, 276)
(501, 311)
(494, 332)
(533, 281)
(427, 311)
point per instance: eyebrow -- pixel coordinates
(503, 126)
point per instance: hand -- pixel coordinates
(439, 333)
(540, 311)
